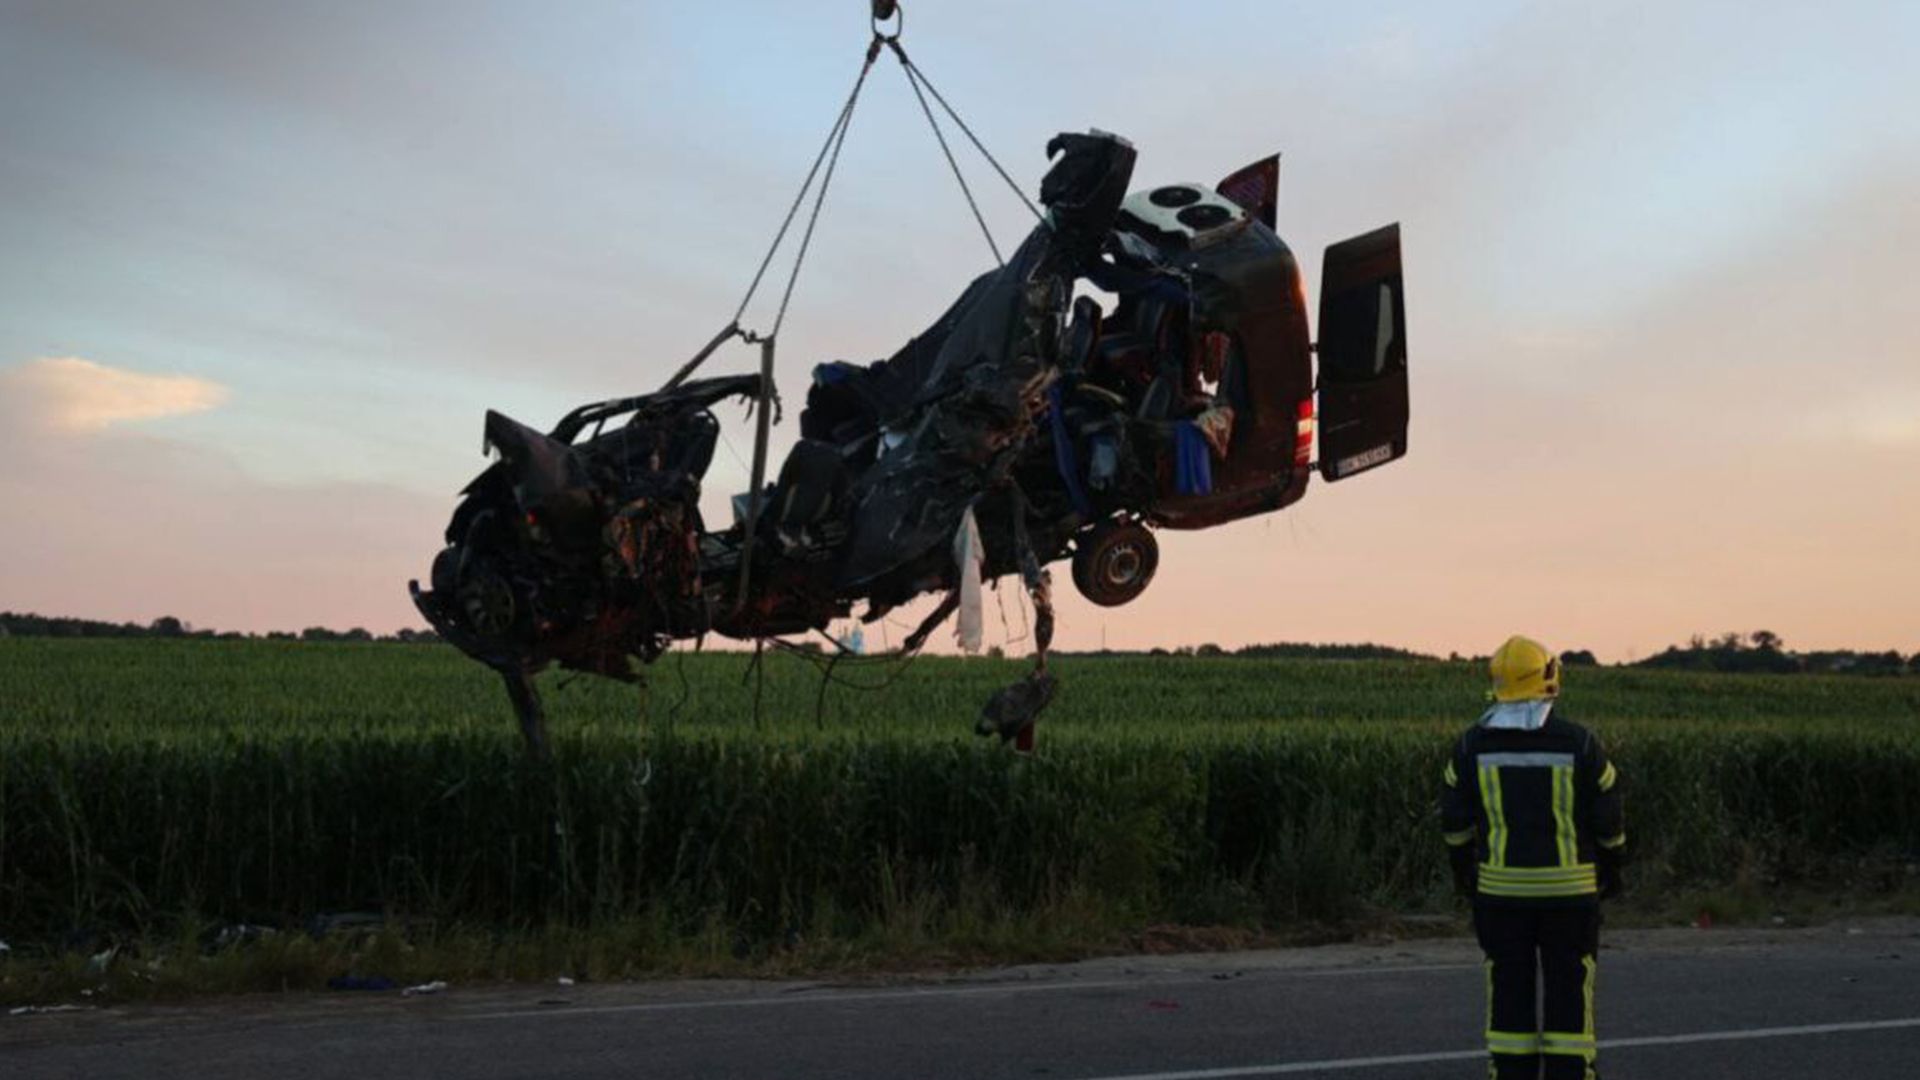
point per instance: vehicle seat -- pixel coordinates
(1160, 400)
(692, 445)
(840, 404)
(1123, 362)
(812, 484)
(1081, 349)
(1138, 356)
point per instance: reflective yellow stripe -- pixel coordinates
(1489, 966)
(1583, 1044)
(1451, 778)
(1502, 888)
(1575, 883)
(1540, 881)
(1494, 878)
(1458, 839)
(1577, 872)
(1564, 835)
(1592, 964)
(1512, 1042)
(1536, 892)
(1496, 815)
(1608, 778)
(1613, 842)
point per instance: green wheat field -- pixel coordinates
(151, 785)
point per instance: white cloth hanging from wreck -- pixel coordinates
(970, 557)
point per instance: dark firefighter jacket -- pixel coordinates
(1539, 809)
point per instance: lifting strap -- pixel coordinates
(965, 191)
(830, 153)
(836, 136)
(829, 156)
(920, 79)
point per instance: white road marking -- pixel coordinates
(1304, 1066)
(829, 996)
(1342, 1064)
(1765, 1033)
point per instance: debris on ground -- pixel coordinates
(361, 982)
(239, 934)
(1011, 711)
(35, 1010)
(433, 987)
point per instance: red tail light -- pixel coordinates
(1303, 433)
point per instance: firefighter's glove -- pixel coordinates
(1612, 881)
(1465, 869)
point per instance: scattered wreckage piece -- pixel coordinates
(1032, 425)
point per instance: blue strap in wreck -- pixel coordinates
(1192, 460)
(1064, 458)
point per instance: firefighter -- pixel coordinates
(1530, 808)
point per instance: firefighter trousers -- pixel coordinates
(1540, 970)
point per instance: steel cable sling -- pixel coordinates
(767, 399)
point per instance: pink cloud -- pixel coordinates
(71, 394)
(109, 521)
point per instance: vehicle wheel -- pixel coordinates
(487, 600)
(1115, 562)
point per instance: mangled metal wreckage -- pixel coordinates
(1026, 425)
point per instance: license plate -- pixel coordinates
(1366, 459)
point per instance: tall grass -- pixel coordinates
(145, 782)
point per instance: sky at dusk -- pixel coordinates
(264, 265)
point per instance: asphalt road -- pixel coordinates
(1840, 1001)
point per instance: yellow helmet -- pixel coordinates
(1524, 670)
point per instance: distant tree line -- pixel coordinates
(1760, 652)
(1270, 651)
(27, 624)
(1763, 652)
(1291, 650)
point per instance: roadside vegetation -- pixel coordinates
(179, 814)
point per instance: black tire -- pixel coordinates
(1114, 563)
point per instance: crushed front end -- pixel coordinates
(584, 546)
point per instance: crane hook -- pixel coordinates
(884, 10)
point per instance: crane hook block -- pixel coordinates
(883, 9)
